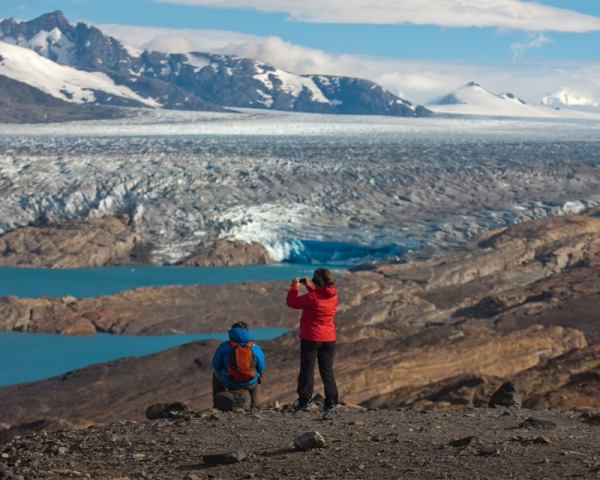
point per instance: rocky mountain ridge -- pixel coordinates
(199, 81)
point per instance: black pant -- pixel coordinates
(310, 352)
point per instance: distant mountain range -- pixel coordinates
(473, 99)
(80, 64)
(565, 98)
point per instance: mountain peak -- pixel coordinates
(472, 84)
(56, 15)
(51, 20)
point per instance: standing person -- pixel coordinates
(317, 336)
(238, 364)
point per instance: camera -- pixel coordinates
(303, 280)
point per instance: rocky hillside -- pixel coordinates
(355, 443)
(437, 333)
(21, 103)
(199, 81)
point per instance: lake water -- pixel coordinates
(91, 282)
(26, 357)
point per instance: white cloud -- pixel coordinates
(416, 80)
(505, 14)
(175, 40)
(534, 40)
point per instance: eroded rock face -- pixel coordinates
(80, 243)
(106, 241)
(228, 253)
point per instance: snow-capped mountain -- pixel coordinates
(473, 99)
(63, 82)
(200, 81)
(566, 98)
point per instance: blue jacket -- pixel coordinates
(221, 358)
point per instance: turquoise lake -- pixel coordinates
(92, 282)
(26, 357)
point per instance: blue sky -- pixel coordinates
(484, 45)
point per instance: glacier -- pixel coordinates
(310, 187)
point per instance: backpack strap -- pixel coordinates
(233, 344)
(249, 344)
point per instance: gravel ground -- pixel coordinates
(360, 444)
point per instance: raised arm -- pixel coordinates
(299, 302)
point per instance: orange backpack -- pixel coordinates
(241, 365)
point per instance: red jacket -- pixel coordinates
(318, 309)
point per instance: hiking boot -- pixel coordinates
(330, 410)
(302, 406)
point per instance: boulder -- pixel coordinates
(230, 401)
(547, 422)
(466, 442)
(309, 440)
(224, 458)
(164, 410)
(506, 396)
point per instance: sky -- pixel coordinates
(419, 49)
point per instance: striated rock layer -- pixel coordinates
(228, 253)
(80, 243)
(444, 332)
(106, 241)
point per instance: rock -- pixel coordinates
(163, 410)
(318, 400)
(62, 450)
(191, 477)
(228, 253)
(506, 396)
(464, 442)
(547, 422)
(78, 243)
(489, 450)
(224, 458)
(230, 401)
(542, 439)
(309, 440)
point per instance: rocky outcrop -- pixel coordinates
(153, 310)
(228, 253)
(80, 243)
(106, 241)
(567, 381)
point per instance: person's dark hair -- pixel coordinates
(243, 325)
(323, 277)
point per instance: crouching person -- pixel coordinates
(238, 364)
